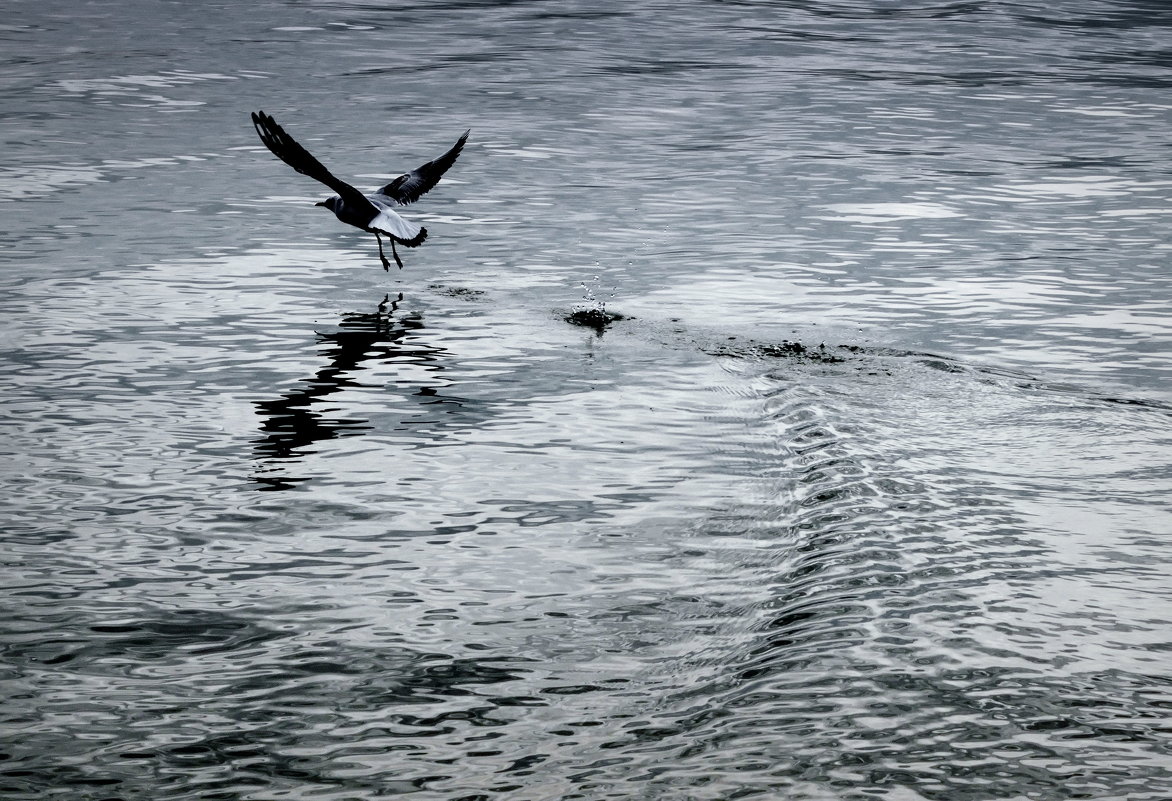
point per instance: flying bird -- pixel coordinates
(375, 212)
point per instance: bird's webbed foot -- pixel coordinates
(395, 253)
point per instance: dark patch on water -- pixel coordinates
(780, 350)
(462, 292)
(597, 319)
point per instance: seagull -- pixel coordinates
(373, 213)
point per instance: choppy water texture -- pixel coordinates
(866, 496)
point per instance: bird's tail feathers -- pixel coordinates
(406, 233)
(414, 242)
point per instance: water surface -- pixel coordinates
(865, 497)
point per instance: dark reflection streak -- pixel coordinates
(290, 424)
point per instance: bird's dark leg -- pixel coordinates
(395, 253)
(381, 255)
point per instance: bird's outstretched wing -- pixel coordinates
(286, 148)
(408, 188)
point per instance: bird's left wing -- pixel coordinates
(286, 148)
(408, 188)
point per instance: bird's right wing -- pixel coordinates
(286, 148)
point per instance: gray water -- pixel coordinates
(866, 496)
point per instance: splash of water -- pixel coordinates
(591, 310)
(590, 303)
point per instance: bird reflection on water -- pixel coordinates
(290, 424)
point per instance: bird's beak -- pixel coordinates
(322, 203)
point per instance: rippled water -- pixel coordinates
(866, 496)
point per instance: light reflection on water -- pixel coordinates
(863, 497)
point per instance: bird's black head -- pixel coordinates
(330, 203)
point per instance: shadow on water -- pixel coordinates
(291, 424)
